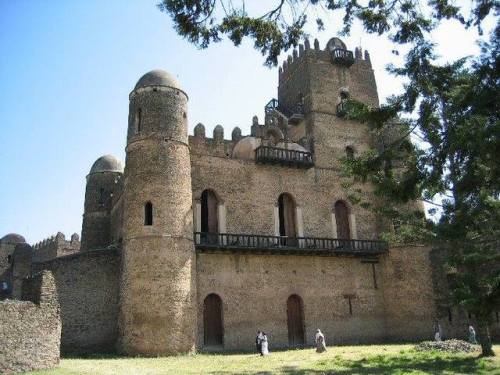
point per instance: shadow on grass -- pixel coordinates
(382, 364)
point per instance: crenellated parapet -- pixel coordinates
(56, 246)
(200, 144)
(335, 51)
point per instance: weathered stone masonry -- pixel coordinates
(30, 329)
(200, 241)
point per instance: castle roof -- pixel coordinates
(12, 238)
(107, 163)
(157, 77)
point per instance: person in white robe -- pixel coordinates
(320, 341)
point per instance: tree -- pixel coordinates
(452, 108)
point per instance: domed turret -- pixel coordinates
(107, 163)
(101, 185)
(158, 249)
(157, 77)
(12, 239)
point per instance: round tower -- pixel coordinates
(101, 184)
(158, 288)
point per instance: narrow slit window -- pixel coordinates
(450, 317)
(148, 214)
(138, 120)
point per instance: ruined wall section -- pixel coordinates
(56, 246)
(254, 290)
(30, 330)
(87, 285)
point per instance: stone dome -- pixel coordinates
(245, 148)
(157, 77)
(107, 163)
(12, 238)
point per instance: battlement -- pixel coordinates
(336, 54)
(55, 246)
(199, 143)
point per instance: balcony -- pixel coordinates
(278, 245)
(342, 57)
(275, 155)
(294, 115)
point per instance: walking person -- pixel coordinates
(258, 341)
(320, 341)
(264, 345)
(472, 335)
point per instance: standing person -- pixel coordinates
(258, 342)
(472, 335)
(320, 341)
(264, 345)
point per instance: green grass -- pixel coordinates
(369, 359)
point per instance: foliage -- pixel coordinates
(204, 22)
(379, 359)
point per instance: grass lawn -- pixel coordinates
(368, 359)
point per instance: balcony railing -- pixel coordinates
(260, 244)
(275, 155)
(294, 115)
(342, 57)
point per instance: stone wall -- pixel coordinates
(254, 290)
(410, 304)
(87, 285)
(55, 246)
(30, 330)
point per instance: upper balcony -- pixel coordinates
(260, 244)
(275, 155)
(342, 56)
(293, 115)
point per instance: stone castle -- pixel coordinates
(199, 242)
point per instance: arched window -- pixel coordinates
(295, 320)
(213, 333)
(148, 213)
(342, 219)
(209, 216)
(349, 153)
(286, 209)
(138, 120)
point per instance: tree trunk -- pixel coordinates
(484, 338)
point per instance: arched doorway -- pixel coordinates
(209, 217)
(212, 321)
(342, 220)
(295, 320)
(287, 221)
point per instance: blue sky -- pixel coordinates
(67, 67)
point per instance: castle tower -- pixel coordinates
(320, 81)
(158, 288)
(101, 184)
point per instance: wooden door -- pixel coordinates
(342, 219)
(295, 317)
(287, 218)
(212, 321)
(209, 216)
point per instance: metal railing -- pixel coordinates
(343, 56)
(287, 245)
(275, 155)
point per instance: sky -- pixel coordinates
(67, 68)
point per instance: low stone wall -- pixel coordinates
(30, 331)
(87, 285)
